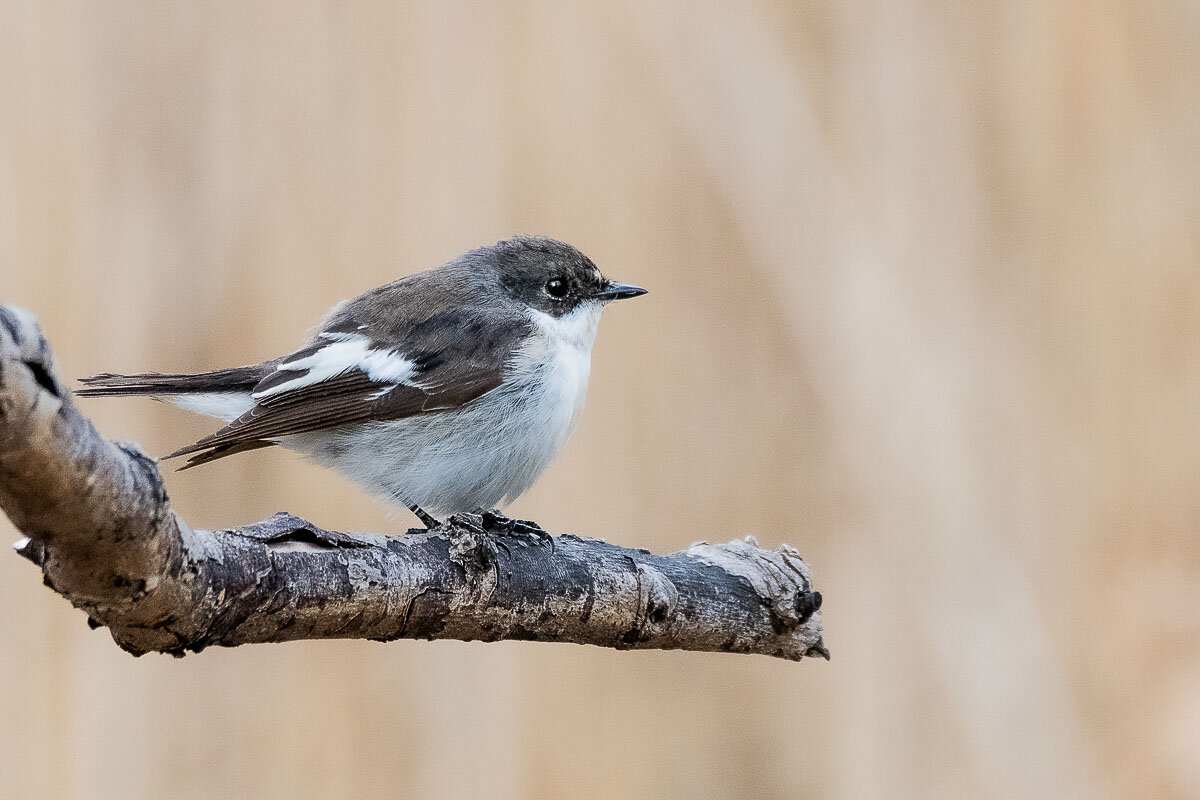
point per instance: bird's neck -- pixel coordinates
(570, 334)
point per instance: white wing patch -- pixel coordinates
(345, 351)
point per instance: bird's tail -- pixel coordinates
(238, 379)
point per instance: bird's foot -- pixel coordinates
(426, 518)
(495, 522)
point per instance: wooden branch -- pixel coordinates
(100, 526)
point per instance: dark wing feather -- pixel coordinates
(320, 407)
(458, 356)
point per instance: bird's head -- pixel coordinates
(553, 277)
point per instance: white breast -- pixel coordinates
(558, 361)
(488, 452)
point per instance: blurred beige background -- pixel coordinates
(925, 302)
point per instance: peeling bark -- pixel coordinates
(99, 524)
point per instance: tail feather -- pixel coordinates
(108, 384)
(200, 456)
(189, 391)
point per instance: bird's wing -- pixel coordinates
(355, 372)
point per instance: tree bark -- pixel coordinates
(99, 524)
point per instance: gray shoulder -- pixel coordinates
(451, 313)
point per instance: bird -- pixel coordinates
(446, 391)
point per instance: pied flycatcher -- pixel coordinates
(449, 390)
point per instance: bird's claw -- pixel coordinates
(470, 522)
(495, 522)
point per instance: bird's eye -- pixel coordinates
(557, 288)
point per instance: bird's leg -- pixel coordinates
(495, 520)
(426, 518)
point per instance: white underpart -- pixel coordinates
(487, 452)
(344, 352)
(226, 406)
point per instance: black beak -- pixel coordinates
(619, 291)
